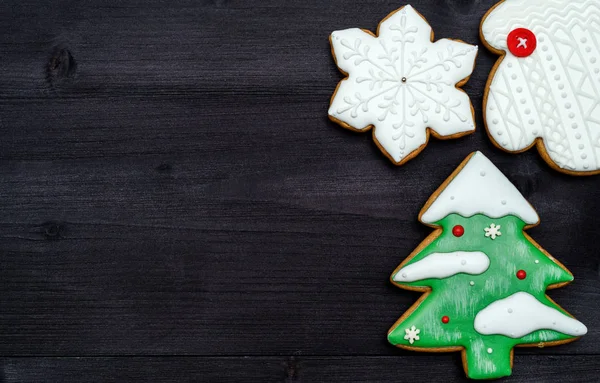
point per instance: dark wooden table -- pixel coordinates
(176, 206)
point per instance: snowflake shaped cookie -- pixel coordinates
(493, 231)
(412, 334)
(402, 84)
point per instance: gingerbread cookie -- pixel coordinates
(402, 84)
(484, 279)
(545, 89)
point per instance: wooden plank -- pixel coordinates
(171, 185)
(360, 369)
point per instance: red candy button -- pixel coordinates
(521, 274)
(458, 231)
(521, 42)
(445, 319)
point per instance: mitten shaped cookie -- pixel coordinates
(545, 90)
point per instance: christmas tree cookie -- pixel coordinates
(484, 279)
(402, 84)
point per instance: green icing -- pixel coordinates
(456, 298)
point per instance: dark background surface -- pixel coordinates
(177, 207)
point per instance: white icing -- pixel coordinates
(412, 334)
(522, 42)
(443, 265)
(555, 92)
(521, 314)
(402, 83)
(471, 193)
(493, 231)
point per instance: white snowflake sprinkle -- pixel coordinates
(412, 334)
(493, 231)
(401, 83)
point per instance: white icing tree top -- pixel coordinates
(479, 188)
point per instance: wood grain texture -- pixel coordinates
(176, 204)
(265, 369)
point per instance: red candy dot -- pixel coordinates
(521, 274)
(458, 231)
(445, 319)
(521, 42)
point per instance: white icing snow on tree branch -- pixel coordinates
(442, 265)
(521, 314)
